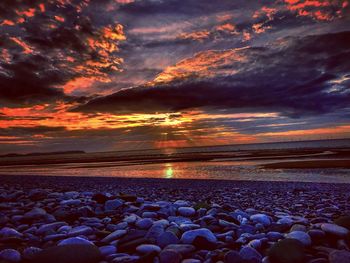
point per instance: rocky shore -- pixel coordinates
(66, 220)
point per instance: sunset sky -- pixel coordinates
(102, 75)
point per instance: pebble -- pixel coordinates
(303, 237)
(115, 235)
(72, 202)
(68, 254)
(10, 255)
(183, 249)
(335, 230)
(170, 256)
(111, 205)
(274, 236)
(261, 218)
(250, 254)
(75, 241)
(186, 211)
(343, 221)
(233, 257)
(146, 248)
(339, 256)
(107, 250)
(9, 232)
(144, 223)
(29, 252)
(35, 213)
(48, 228)
(189, 236)
(167, 238)
(287, 251)
(80, 230)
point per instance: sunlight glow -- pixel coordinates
(169, 172)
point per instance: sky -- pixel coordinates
(103, 75)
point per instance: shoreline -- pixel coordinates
(91, 182)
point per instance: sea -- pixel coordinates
(229, 162)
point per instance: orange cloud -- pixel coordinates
(42, 8)
(260, 28)
(28, 13)
(5, 56)
(203, 64)
(317, 9)
(7, 23)
(340, 130)
(246, 36)
(124, 1)
(267, 11)
(26, 48)
(78, 84)
(227, 28)
(59, 18)
(199, 35)
(223, 17)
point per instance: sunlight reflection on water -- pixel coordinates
(231, 170)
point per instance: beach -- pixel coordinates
(99, 219)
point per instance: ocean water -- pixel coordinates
(232, 163)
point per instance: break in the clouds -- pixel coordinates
(142, 73)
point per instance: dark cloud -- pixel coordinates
(151, 8)
(29, 131)
(29, 81)
(45, 45)
(295, 76)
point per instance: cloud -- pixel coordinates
(47, 45)
(293, 76)
(30, 131)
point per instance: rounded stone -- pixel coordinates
(47, 228)
(144, 223)
(303, 237)
(10, 255)
(74, 241)
(71, 202)
(343, 221)
(189, 236)
(147, 248)
(180, 203)
(261, 218)
(29, 252)
(298, 227)
(68, 254)
(80, 230)
(191, 260)
(99, 198)
(339, 256)
(317, 236)
(287, 251)
(184, 249)
(35, 213)
(107, 250)
(233, 257)
(115, 235)
(186, 211)
(167, 238)
(335, 230)
(9, 232)
(274, 236)
(250, 254)
(169, 256)
(111, 205)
